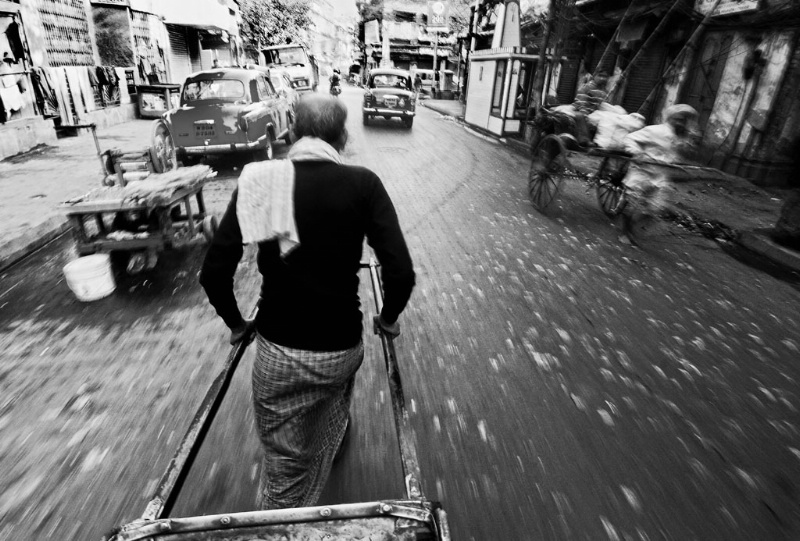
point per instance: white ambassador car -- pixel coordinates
(390, 94)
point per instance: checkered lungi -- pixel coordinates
(302, 401)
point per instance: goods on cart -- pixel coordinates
(142, 217)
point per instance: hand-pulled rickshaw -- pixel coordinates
(413, 517)
(555, 136)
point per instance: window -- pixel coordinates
(217, 89)
(265, 90)
(497, 91)
(286, 57)
(386, 80)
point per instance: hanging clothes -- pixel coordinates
(102, 75)
(45, 93)
(111, 75)
(15, 41)
(87, 91)
(59, 78)
(92, 74)
(12, 99)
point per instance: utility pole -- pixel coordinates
(690, 47)
(538, 83)
(656, 32)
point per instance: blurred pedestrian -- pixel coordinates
(648, 184)
(417, 84)
(309, 216)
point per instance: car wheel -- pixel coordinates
(162, 148)
(366, 119)
(266, 153)
(408, 122)
(289, 138)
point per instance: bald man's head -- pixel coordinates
(323, 116)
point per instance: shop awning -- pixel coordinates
(200, 14)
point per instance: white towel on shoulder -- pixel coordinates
(265, 204)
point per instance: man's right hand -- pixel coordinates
(239, 332)
(392, 330)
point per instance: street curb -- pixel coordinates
(760, 243)
(15, 249)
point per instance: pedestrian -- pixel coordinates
(436, 78)
(417, 84)
(309, 216)
(669, 142)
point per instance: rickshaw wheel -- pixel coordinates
(546, 172)
(611, 197)
(162, 148)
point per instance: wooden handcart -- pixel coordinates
(412, 518)
(142, 218)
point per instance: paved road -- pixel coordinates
(563, 386)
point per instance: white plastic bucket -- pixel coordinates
(90, 277)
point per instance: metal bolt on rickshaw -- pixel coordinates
(412, 518)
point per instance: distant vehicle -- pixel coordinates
(301, 67)
(390, 94)
(228, 110)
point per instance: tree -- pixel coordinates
(273, 22)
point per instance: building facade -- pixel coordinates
(332, 39)
(68, 62)
(738, 66)
(398, 36)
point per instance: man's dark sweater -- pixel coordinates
(309, 299)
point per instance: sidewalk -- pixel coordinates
(715, 197)
(33, 184)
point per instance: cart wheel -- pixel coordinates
(546, 172)
(209, 227)
(162, 148)
(611, 197)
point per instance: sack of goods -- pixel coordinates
(613, 124)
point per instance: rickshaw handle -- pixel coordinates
(169, 488)
(405, 434)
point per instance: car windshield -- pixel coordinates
(286, 56)
(216, 89)
(384, 80)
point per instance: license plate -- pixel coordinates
(204, 131)
(390, 102)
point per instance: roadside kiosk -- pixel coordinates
(500, 78)
(499, 89)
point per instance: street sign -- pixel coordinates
(438, 16)
(726, 7)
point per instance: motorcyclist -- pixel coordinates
(335, 80)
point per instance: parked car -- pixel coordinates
(390, 94)
(282, 83)
(222, 111)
